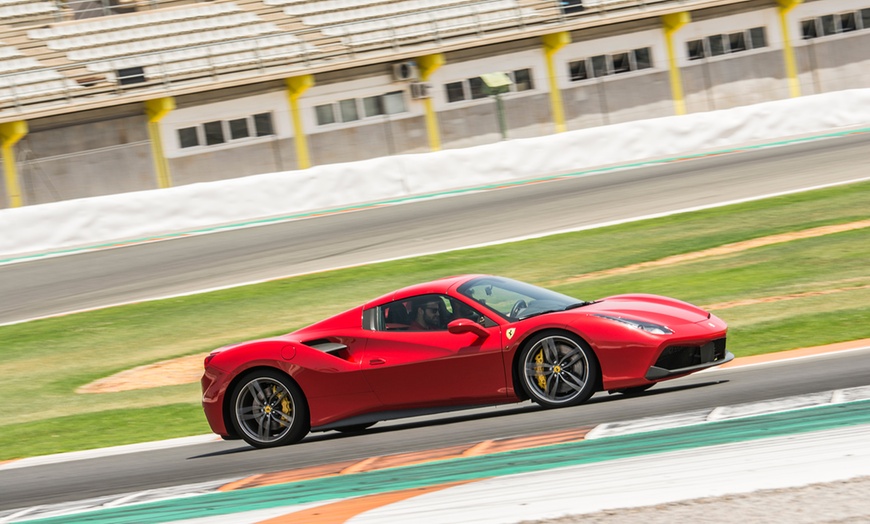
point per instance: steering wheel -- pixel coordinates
(518, 306)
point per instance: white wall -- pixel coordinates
(138, 215)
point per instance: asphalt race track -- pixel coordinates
(93, 279)
(104, 277)
(219, 460)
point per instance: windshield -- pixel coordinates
(516, 300)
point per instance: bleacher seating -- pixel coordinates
(206, 58)
(13, 10)
(171, 41)
(118, 22)
(361, 22)
(24, 78)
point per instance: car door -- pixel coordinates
(408, 368)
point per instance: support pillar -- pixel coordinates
(672, 23)
(794, 86)
(10, 134)
(552, 44)
(296, 86)
(427, 65)
(155, 110)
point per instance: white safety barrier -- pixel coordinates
(143, 214)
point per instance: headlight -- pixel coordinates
(649, 327)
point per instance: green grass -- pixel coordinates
(43, 362)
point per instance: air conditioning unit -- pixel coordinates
(405, 72)
(420, 90)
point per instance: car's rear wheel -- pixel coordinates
(558, 369)
(268, 409)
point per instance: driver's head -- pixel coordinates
(428, 312)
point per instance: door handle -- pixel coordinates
(377, 361)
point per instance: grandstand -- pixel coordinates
(134, 50)
(87, 83)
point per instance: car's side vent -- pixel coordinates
(332, 348)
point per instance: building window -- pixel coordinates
(829, 25)
(373, 106)
(717, 45)
(263, 124)
(604, 65)
(325, 114)
(642, 58)
(847, 22)
(455, 91)
(473, 88)
(476, 87)
(757, 38)
(188, 137)
(394, 102)
(736, 42)
(620, 62)
(214, 133)
(577, 70)
(348, 110)
(833, 24)
(808, 28)
(239, 129)
(696, 49)
(599, 66)
(388, 104)
(522, 79)
(222, 131)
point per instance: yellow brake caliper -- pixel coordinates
(539, 370)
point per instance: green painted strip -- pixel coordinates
(473, 468)
(401, 200)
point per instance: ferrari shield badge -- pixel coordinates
(510, 333)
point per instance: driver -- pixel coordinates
(426, 314)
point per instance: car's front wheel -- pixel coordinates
(558, 369)
(268, 409)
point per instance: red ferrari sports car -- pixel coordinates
(463, 341)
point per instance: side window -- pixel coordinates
(421, 313)
(425, 313)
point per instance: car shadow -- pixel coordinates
(658, 389)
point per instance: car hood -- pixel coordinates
(651, 308)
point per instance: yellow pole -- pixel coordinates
(794, 86)
(552, 44)
(10, 134)
(155, 110)
(672, 23)
(296, 86)
(428, 64)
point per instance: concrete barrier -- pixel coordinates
(138, 215)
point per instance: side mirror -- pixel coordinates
(466, 325)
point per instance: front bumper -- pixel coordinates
(684, 359)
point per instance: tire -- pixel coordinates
(268, 409)
(558, 369)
